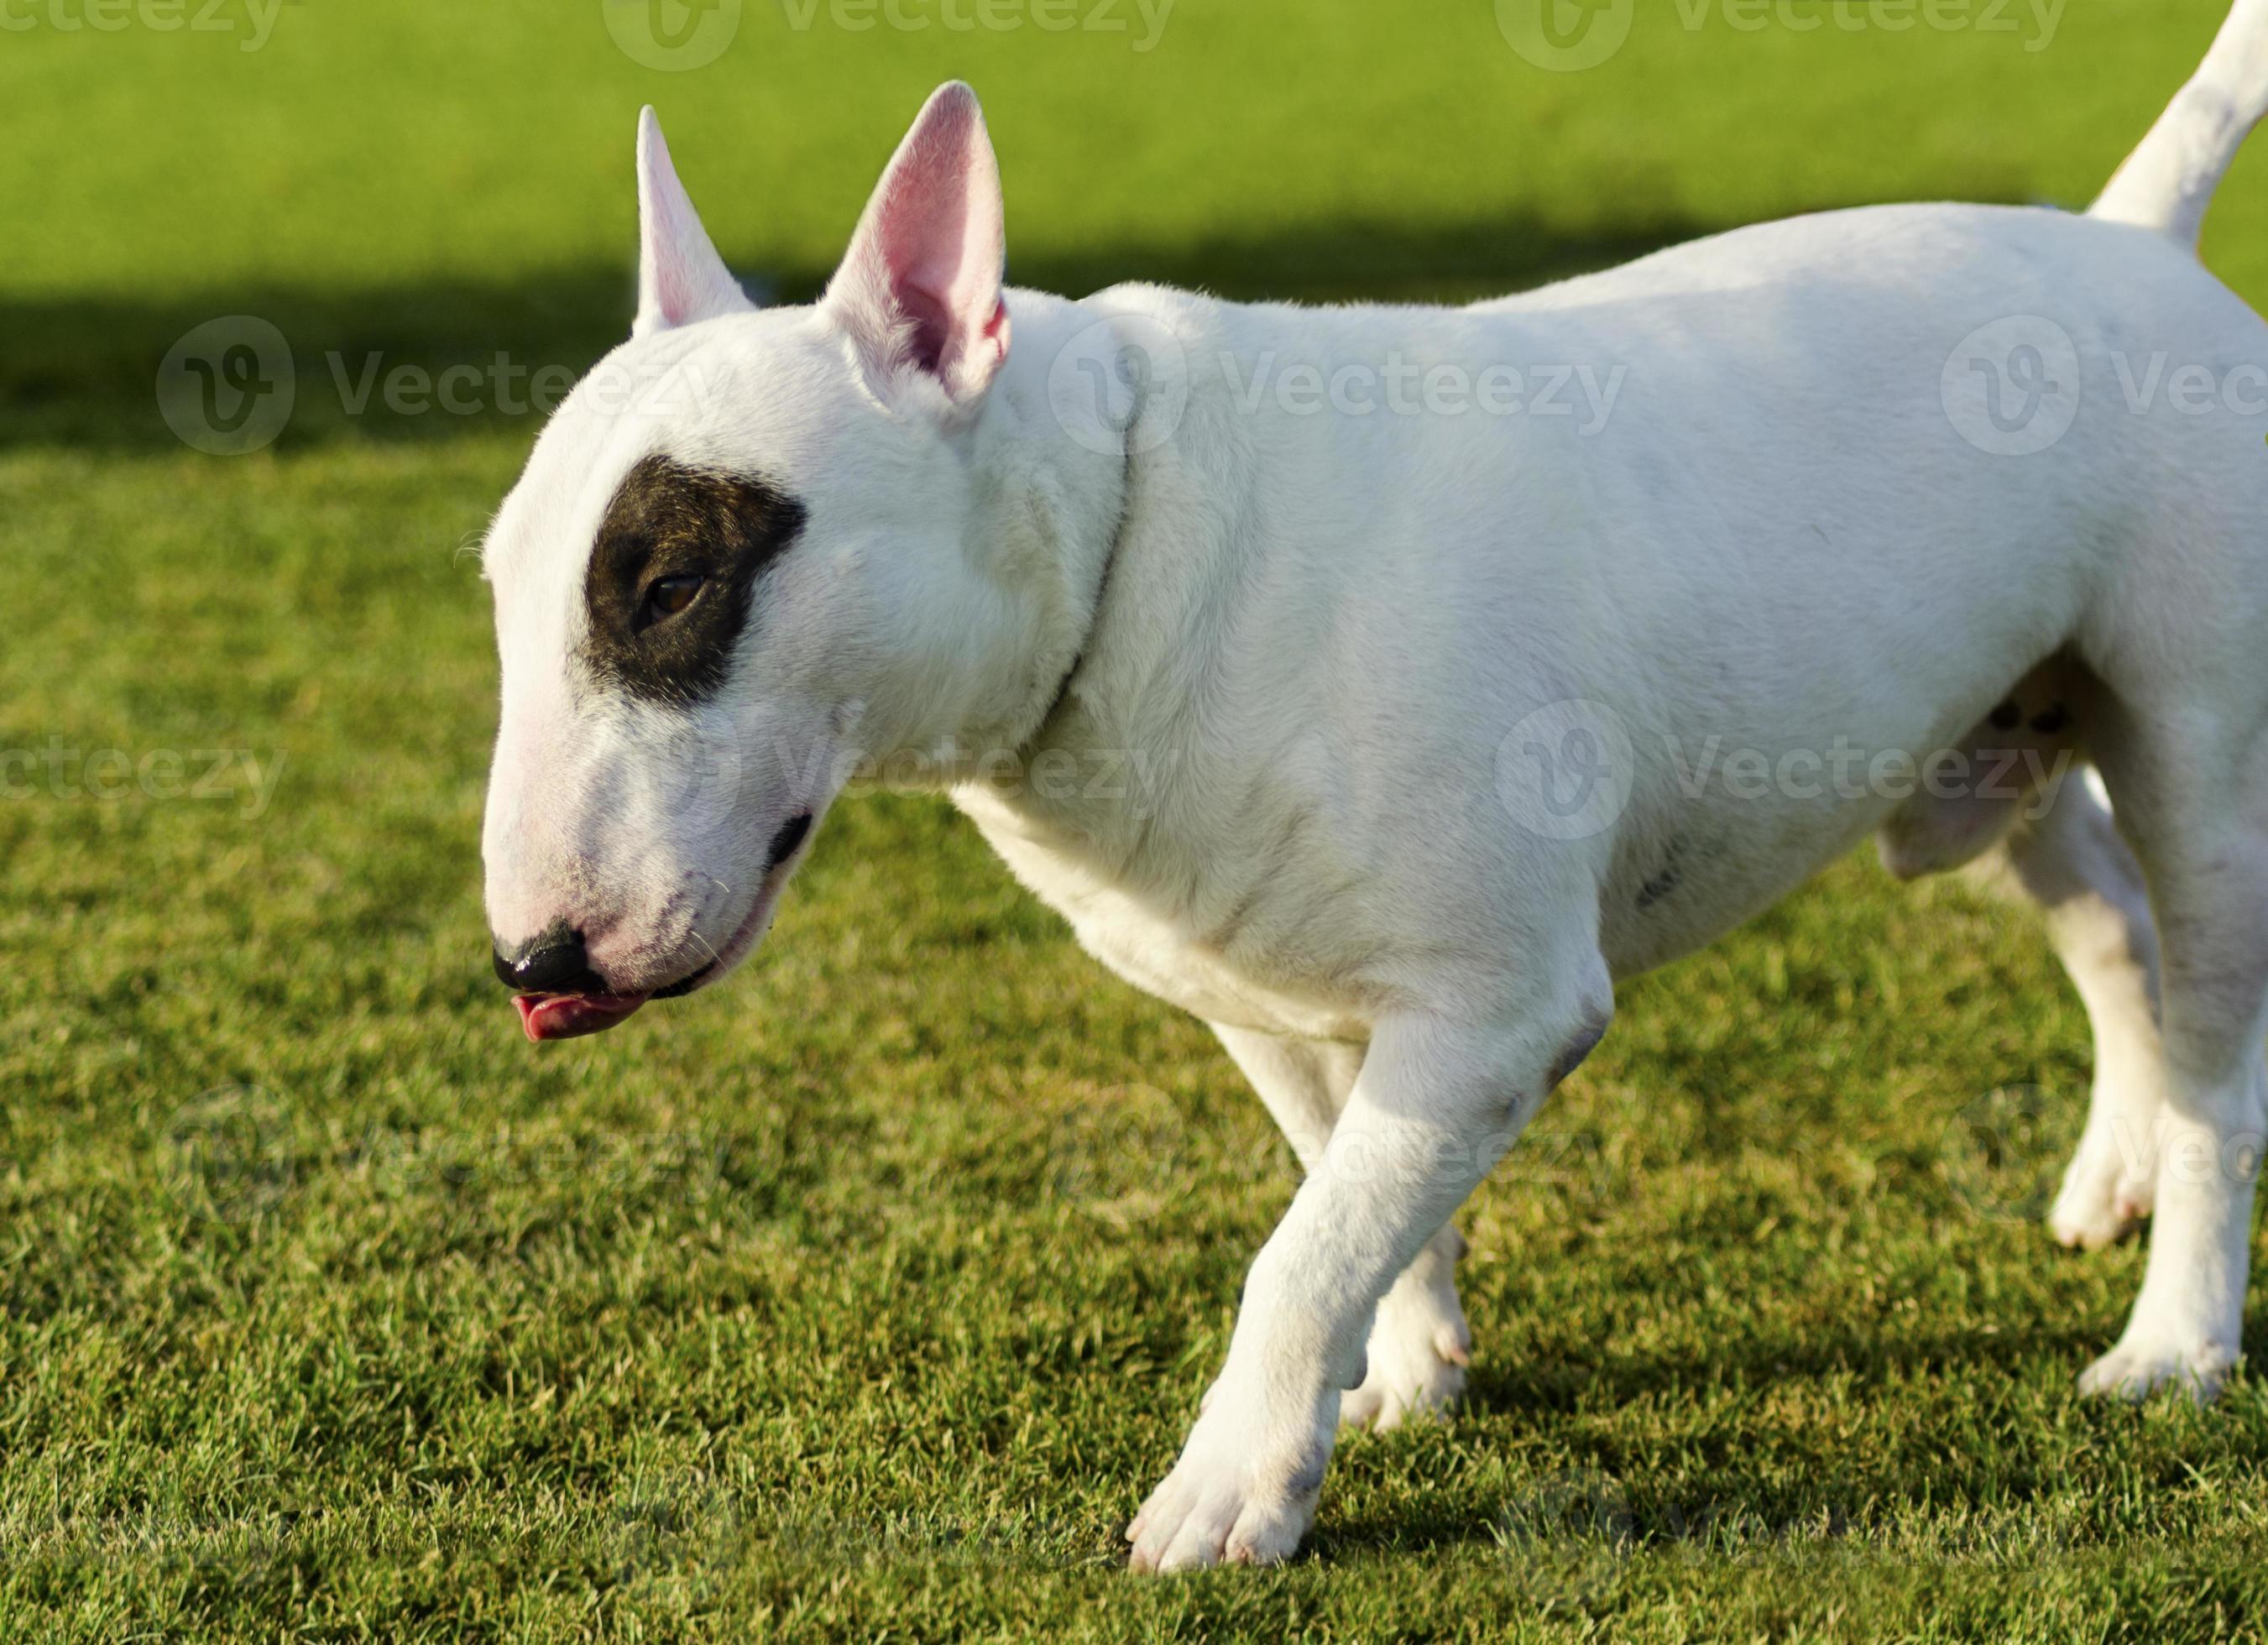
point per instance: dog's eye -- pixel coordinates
(666, 596)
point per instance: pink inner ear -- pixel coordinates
(678, 291)
(931, 248)
(682, 279)
(934, 231)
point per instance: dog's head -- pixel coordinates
(734, 569)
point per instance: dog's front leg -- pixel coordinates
(1419, 1344)
(1435, 1106)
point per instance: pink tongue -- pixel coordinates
(567, 1016)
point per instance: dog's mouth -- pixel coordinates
(571, 1015)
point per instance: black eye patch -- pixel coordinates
(672, 530)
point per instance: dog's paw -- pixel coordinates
(2102, 1201)
(2141, 1366)
(2094, 1215)
(1236, 1497)
(1417, 1355)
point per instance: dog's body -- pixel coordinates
(1322, 629)
(1412, 729)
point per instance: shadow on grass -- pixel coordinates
(1869, 1351)
(81, 373)
(1611, 1508)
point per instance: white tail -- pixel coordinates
(2168, 183)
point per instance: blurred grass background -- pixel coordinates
(866, 1295)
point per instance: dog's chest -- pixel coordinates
(1167, 946)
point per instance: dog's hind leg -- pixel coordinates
(2029, 828)
(1304, 1082)
(2190, 779)
(1419, 1344)
(2072, 864)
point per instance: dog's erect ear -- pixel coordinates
(920, 289)
(681, 277)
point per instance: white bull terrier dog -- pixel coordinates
(1455, 712)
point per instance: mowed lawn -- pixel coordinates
(864, 1298)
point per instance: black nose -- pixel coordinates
(553, 963)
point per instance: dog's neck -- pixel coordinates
(1052, 514)
(1147, 547)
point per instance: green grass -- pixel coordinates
(864, 1298)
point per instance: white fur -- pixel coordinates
(1333, 640)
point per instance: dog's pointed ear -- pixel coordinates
(920, 288)
(681, 277)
